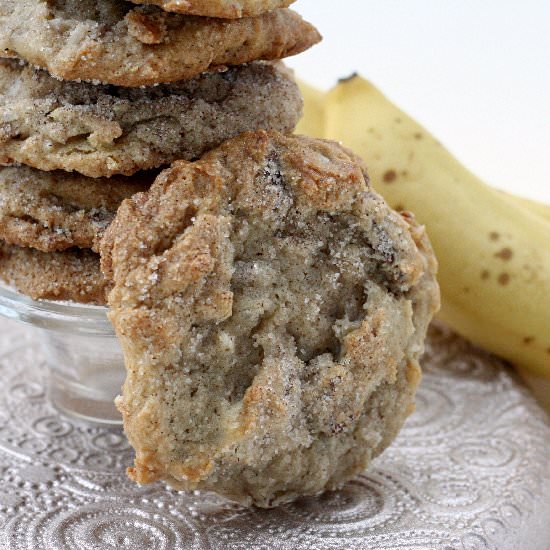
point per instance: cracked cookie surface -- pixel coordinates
(106, 130)
(271, 308)
(72, 275)
(116, 42)
(230, 9)
(54, 211)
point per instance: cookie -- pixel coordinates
(227, 9)
(73, 275)
(271, 309)
(54, 211)
(104, 130)
(115, 42)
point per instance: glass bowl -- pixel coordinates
(84, 358)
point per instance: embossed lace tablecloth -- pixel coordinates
(471, 469)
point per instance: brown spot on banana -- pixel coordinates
(389, 176)
(504, 254)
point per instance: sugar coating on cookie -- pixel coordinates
(117, 42)
(55, 211)
(230, 9)
(73, 275)
(106, 130)
(271, 308)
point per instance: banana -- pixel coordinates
(536, 207)
(494, 254)
(312, 124)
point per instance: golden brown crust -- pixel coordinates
(72, 275)
(107, 41)
(271, 308)
(226, 9)
(54, 211)
(101, 131)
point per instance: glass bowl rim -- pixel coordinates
(70, 317)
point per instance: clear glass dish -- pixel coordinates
(84, 358)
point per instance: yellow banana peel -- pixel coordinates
(536, 207)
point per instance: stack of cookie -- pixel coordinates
(271, 307)
(97, 95)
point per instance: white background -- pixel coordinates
(476, 73)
